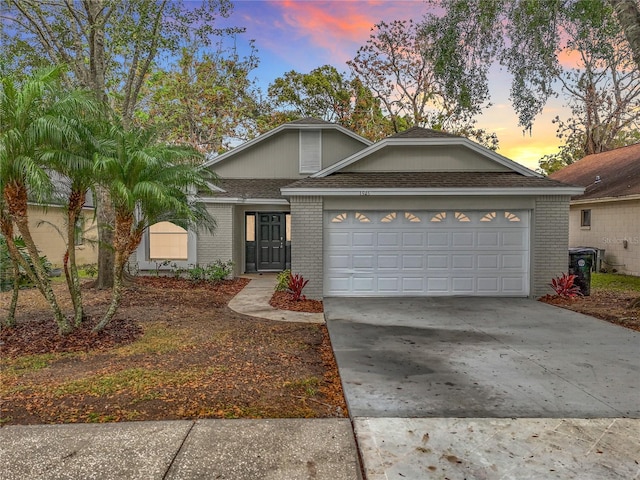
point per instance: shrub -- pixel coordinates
(564, 286)
(295, 285)
(212, 272)
(282, 281)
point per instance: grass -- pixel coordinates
(615, 281)
(158, 338)
(26, 364)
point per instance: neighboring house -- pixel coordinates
(419, 213)
(607, 215)
(48, 224)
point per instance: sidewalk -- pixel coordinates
(271, 449)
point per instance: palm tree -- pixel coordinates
(74, 161)
(34, 116)
(148, 182)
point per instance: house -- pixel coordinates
(419, 213)
(606, 216)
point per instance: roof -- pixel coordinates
(309, 121)
(245, 188)
(615, 173)
(419, 132)
(429, 182)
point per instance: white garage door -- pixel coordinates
(452, 252)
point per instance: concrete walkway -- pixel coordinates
(253, 300)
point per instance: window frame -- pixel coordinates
(585, 218)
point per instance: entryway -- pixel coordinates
(268, 241)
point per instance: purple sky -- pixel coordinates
(304, 34)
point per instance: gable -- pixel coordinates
(425, 158)
(290, 151)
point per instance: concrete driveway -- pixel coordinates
(487, 388)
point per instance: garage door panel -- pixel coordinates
(364, 261)
(427, 253)
(363, 239)
(362, 284)
(412, 262)
(462, 285)
(413, 239)
(513, 239)
(437, 239)
(339, 261)
(488, 261)
(338, 239)
(462, 239)
(389, 285)
(437, 262)
(389, 261)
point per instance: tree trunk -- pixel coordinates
(116, 295)
(628, 16)
(106, 218)
(76, 201)
(10, 321)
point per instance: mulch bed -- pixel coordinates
(284, 301)
(612, 306)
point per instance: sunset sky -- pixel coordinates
(304, 34)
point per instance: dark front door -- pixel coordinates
(271, 241)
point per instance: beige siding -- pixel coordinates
(425, 158)
(217, 245)
(611, 224)
(306, 242)
(51, 244)
(337, 146)
(550, 241)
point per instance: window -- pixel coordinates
(585, 218)
(167, 241)
(287, 223)
(341, 217)
(389, 218)
(411, 217)
(362, 218)
(250, 226)
(310, 151)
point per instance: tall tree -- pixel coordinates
(395, 65)
(207, 101)
(602, 92)
(34, 116)
(526, 36)
(149, 182)
(110, 47)
(328, 94)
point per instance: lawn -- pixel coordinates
(610, 299)
(176, 351)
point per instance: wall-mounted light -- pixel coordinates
(625, 243)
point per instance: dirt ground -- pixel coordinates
(609, 305)
(175, 351)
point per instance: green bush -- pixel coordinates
(282, 281)
(212, 272)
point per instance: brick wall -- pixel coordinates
(306, 242)
(549, 250)
(217, 245)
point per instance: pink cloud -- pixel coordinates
(340, 28)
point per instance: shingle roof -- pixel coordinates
(309, 121)
(252, 187)
(419, 132)
(615, 173)
(483, 180)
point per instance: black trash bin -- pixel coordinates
(581, 261)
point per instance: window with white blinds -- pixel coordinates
(310, 151)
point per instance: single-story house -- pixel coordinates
(419, 213)
(607, 215)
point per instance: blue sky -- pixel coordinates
(304, 34)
